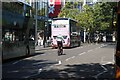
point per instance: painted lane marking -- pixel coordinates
(70, 58)
(90, 50)
(105, 70)
(102, 65)
(99, 74)
(108, 63)
(22, 60)
(51, 66)
(81, 53)
(39, 71)
(81, 47)
(17, 61)
(59, 63)
(28, 58)
(73, 57)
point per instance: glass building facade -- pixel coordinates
(40, 12)
(40, 9)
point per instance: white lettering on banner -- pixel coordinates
(51, 9)
(51, 6)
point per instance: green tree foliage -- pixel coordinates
(85, 17)
(69, 11)
(96, 17)
(103, 15)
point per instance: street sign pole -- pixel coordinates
(36, 37)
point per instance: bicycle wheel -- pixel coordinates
(61, 51)
(58, 52)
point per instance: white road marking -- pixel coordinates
(78, 54)
(99, 74)
(59, 63)
(102, 65)
(51, 66)
(108, 63)
(22, 60)
(105, 70)
(68, 59)
(73, 57)
(40, 70)
(89, 50)
(81, 53)
(81, 47)
(17, 61)
(28, 58)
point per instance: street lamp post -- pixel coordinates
(46, 24)
(36, 37)
(84, 34)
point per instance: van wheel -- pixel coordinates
(79, 43)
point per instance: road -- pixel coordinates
(94, 61)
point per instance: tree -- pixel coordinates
(69, 11)
(96, 17)
(103, 15)
(85, 18)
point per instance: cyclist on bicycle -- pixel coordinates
(60, 41)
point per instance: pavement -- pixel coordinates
(40, 48)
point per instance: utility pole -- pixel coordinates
(46, 24)
(36, 37)
(47, 20)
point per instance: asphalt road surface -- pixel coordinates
(89, 61)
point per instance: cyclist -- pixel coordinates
(60, 41)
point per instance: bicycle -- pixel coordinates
(60, 50)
